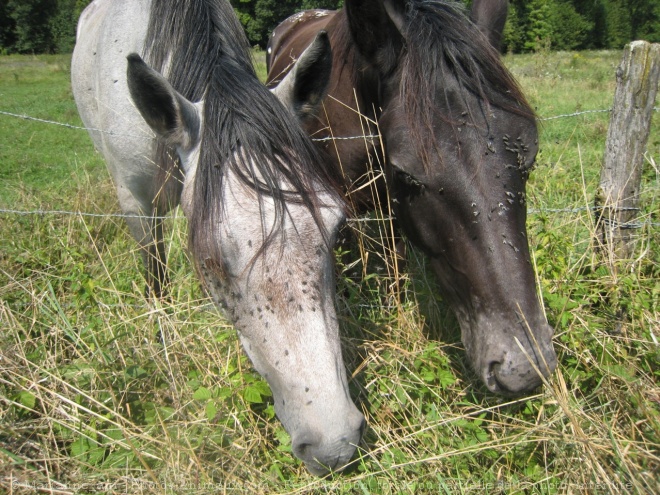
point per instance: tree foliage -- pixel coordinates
(260, 17)
(47, 26)
(39, 26)
(580, 25)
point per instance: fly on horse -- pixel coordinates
(196, 127)
(459, 142)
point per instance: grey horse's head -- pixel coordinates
(263, 220)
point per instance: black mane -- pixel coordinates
(209, 57)
(440, 38)
(440, 43)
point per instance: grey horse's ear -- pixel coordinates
(172, 117)
(490, 17)
(305, 86)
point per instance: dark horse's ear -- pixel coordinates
(172, 117)
(377, 30)
(490, 17)
(305, 86)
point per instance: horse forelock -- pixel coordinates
(205, 53)
(442, 44)
(184, 41)
(249, 133)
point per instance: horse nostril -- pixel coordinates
(302, 446)
(300, 449)
(354, 440)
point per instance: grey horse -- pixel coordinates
(194, 126)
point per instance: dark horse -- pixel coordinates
(263, 209)
(460, 140)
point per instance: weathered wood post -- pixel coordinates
(617, 199)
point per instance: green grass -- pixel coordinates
(101, 392)
(572, 149)
(37, 159)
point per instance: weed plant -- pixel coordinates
(102, 391)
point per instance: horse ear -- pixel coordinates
(172, 117)
(490, 17)
(305, 86)
(377, 30)
(396, 11)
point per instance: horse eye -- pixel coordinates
(408, 179)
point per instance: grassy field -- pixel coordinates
(103, 392)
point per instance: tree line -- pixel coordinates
(579, 24)
(49, 26)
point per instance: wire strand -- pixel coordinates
(533, 211)
(330, 138)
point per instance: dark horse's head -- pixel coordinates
(460, 142)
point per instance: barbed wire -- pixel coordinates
(329, 138)
(600, 211)
(334, 138)
(111, 133)
(582, 112)
(532, 211)
(83, 214)
(7, 211)
(577, 114)
(62, 124)
(200, 305)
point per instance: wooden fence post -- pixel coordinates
(617, 199)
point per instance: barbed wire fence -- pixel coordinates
(81, 214)
(206, 305)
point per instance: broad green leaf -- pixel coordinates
(27, 399)
(252, 394)
(211, 410)
(202, 393)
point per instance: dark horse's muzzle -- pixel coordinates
(514, 363)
